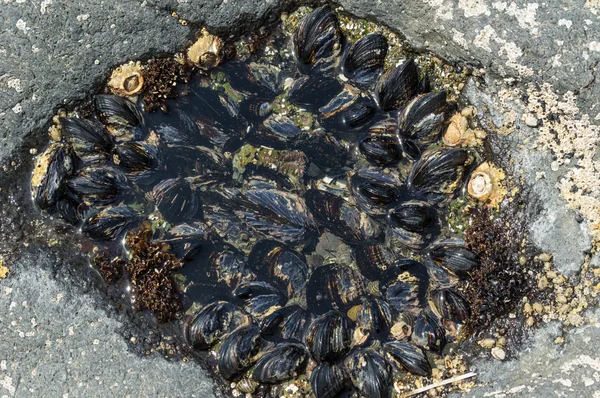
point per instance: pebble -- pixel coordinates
(561, 299)
(531, 121)
(501, 342)
(527, 310)
(498, 353)
(487, 343)
(530, 322)
(469, 111)
(543, 283)
(522, 260)
(538, 308)
(545, 257)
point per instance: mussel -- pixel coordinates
(176, 200)
(213, 322)
(334, 286)
(428, 333)
(317, 41)
(313, 92)
(229, 266)
(275, 132)
(397, 86)
(284, 362)
(370, 373)
(288, 323)
(110, 222)
(454, 257)
(375, 318)
(98, 185)
(329, 336)
(414, 215)
(51, 170)
(71, 208)
(408, 357)
(113, 109)
(238, 351)
(374, 192)
(422, 119)
(261, 298)
(365, 59)
(373, 259)
(327, 381)
(89, 139)
(439, 171)
(449, 304)
(136, 156)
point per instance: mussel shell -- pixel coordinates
(280, 215)
(136, 156)
(110, 222)
(370, 373)
(400, 237)
(98, 185)
(408, 357)
(439, 171)
(410, 149)
(229, 266)
(203, 162)
(329, 336)
(327, 381)
(88, 138)
(51, 170)
(413, 216)
(454, 257)
(276, 132)
(373, 191)
(375, 318)
(365, 59)
(254, 80)
(112, 109)
(323, 150)
(313, 92)
(282, 363)
(71, 209)
(372, 259)
(428, 333)
(348, 110)
(317, 40)
(261, 306)
(397, 86)
(285, 268)
(238, 351)
(340, 218)
(380, 150)
(423, 117)
(448, 304)
(213, 322)
(405, 285)
(334, 286)
(252, 289)
(176, 200)
(288, 323)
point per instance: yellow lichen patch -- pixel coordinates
(127, 79)
(206, 52)
(3, 269)
(485, 184)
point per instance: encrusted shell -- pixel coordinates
(485, 184)
(206, 52)
(127, 79)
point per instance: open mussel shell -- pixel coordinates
(397, 86)
(370, 373)
(237, 353)
(287, 323)
(365, 59)
(413, 216)
(375, 317)
(327, 381)
(89, 139)
(98, 185)
(422, 119)
(439, 171)
(334, 286)
(329, 336)
(314, 91)
(112, 109)
(341, 218)
(282, 363)
(51, 170)
(110, 222)
(428, 333)
(136, 156)
(283, 266)
(408, 357)
(448, 304)
(317, 40)
(374, 191)
(454, 257)
(176, 200)
(213, 322)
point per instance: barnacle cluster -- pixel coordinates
(234, 184)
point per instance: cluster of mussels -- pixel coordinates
(253, 162)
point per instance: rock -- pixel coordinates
(531, 121)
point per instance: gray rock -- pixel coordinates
(56, 342)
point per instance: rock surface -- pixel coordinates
(54, 53)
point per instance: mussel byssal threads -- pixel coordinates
(292, 200)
